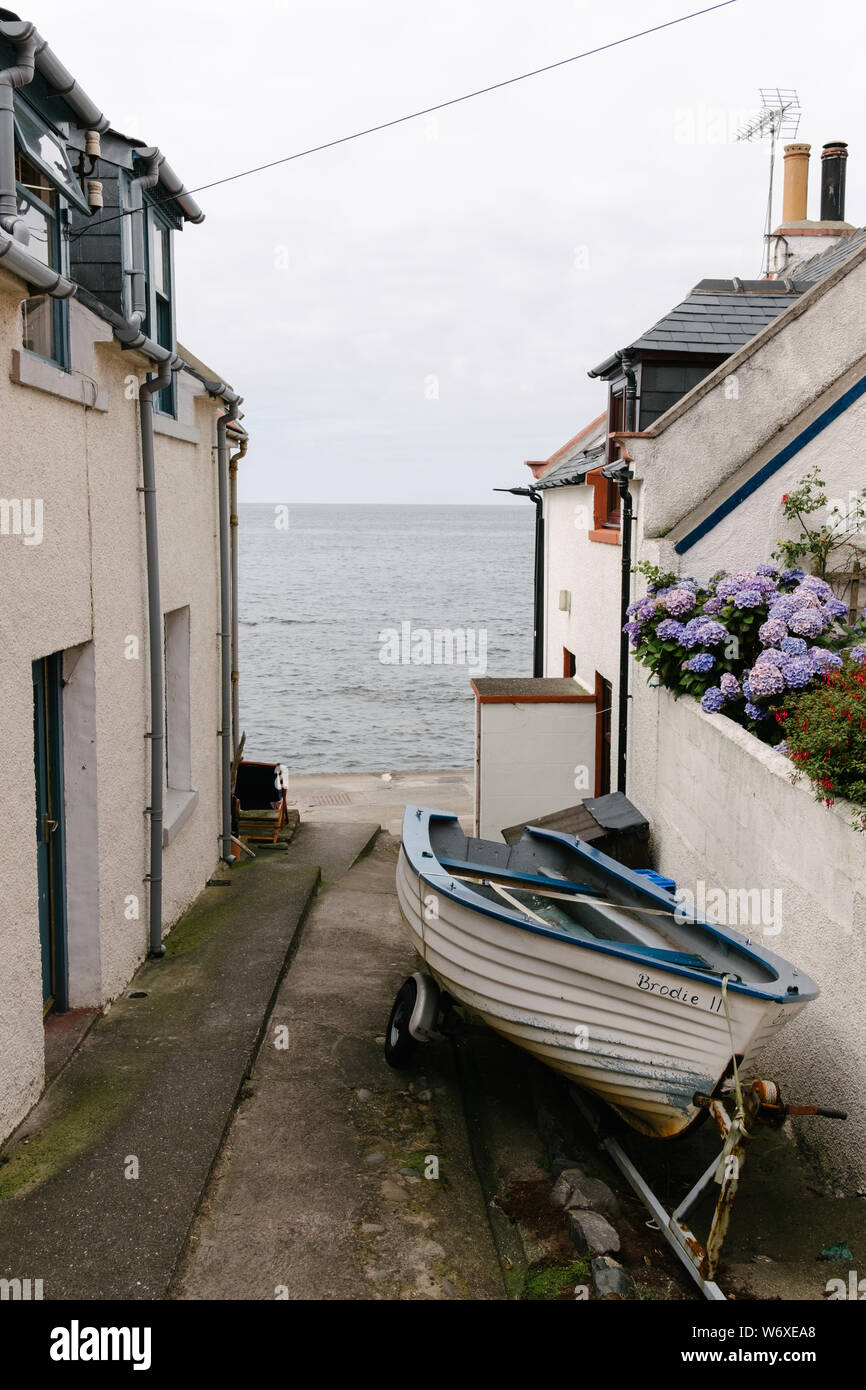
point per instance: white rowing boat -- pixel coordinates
(586, 964)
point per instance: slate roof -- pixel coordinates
(572, 470)
(715, 319)
(808, 273)
(720, 316)
(566, 450)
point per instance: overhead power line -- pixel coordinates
(426, 110)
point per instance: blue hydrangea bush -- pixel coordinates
(744, 643)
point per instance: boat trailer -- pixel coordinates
(736, 1115)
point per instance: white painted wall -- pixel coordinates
(723, 810)
(532, 756)
(763, 396)
(80, 762)
(748, 535)
(591, 571)
(84, 586)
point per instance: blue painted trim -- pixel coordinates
(772, 466)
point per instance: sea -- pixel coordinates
(361, 627)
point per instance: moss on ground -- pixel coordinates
(202, 921)
(82, 1121)
(551, 1280)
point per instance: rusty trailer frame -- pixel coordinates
(761, 1103)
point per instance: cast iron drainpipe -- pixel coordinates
(10, 79)
(225, 732)
(156, 808)
(538, 644)
(622, 474)
(233, 503)
(627, 363)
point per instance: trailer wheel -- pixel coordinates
(399, 1043)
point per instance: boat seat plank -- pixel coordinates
(549, 915)
(512, 875)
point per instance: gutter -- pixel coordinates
(154, 629)
(14, 235)
(14, 257)
(174, 186)
(185, 201)
(608, 365)
(233, 505)
(150, 160)
(24, 40)
(538, 638)
(58, 78)
(226, 624)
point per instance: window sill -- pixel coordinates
(606, 537)
(37, 372)
(166, 424)
(179, 806)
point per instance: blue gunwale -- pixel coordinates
(417, 847)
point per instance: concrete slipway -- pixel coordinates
(277, 1154)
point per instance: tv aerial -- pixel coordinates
(778, 118)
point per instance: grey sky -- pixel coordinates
(502, 247)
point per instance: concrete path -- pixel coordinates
(322, 1190)
(342, 797)
(99, 1186)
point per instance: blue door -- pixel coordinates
(48, 760)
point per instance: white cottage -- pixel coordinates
(114, 564)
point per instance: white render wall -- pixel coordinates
(750, 408)
(84, 586)
(723, 810)
(748, 535)
(530, 754)
(591, 571)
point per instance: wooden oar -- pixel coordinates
(562, 897)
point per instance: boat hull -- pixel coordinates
(644, 1041)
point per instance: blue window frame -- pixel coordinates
(46, 320)
(159, 322)
(146, 249)
(45, 149)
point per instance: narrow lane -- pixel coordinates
(341, 1178)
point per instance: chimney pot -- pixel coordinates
(833, 159)
(794, 194)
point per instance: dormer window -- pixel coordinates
(39, 205)
(159, 321)
(45, 150)
(148, 275)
